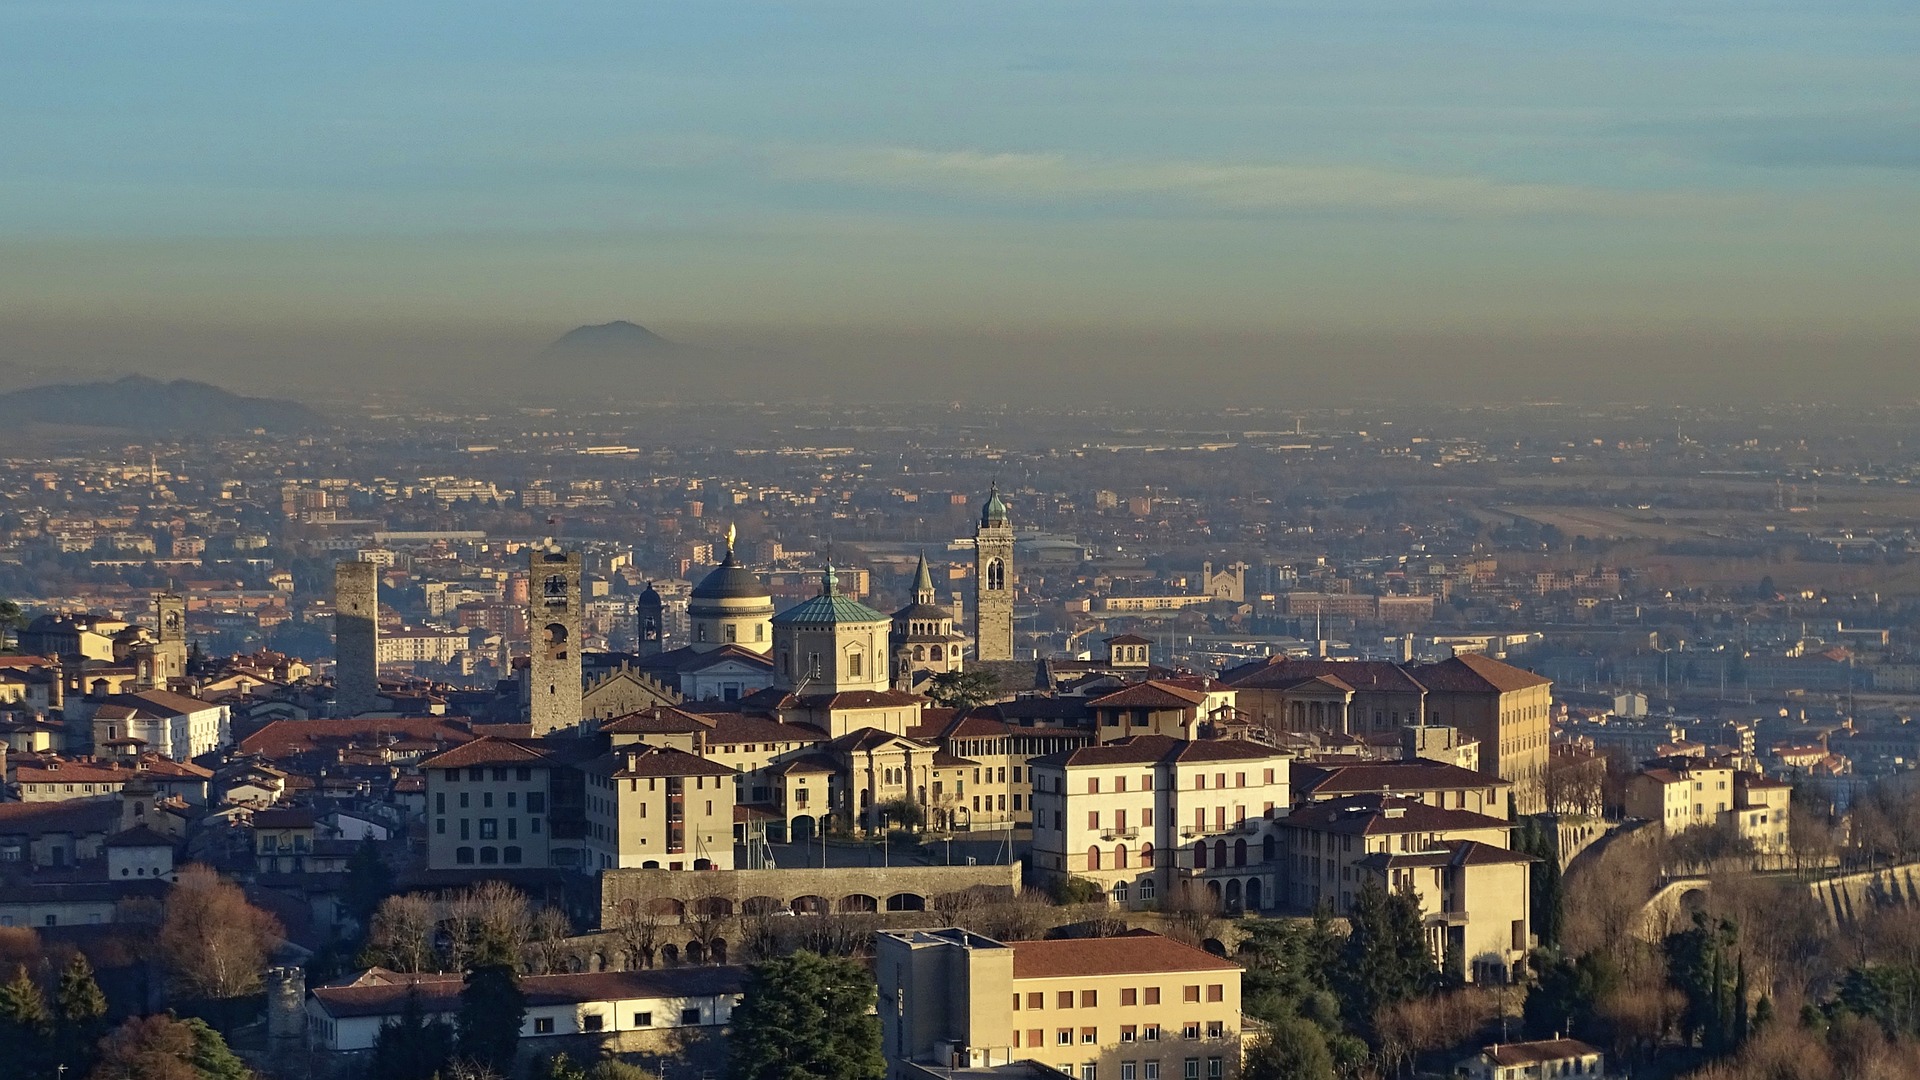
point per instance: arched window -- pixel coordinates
(996, 574)
(1120, 893)
(556, 585)
(1239, 853)
(1146, 855)
(1220, 852)
(1268, 848)
(1200, 855)
(489, 855)
(556, 641)
(919, 653)
(1120, 857)
(937, 654)
(1093, 858)
(463, 855)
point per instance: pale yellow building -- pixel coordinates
(1134, 1007)
(1149, 814)
(655, 807)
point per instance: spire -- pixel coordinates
(829, 582)
(923, 583)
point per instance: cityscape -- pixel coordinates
(801, 542)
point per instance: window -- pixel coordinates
(1192, 1069)
(1152, 1070)
(543, 1025)
(1089, 1071)
(1036, 1001)
(1064, 999)
(440, 803)
(1190, 993)
(466, 800)
(1063, 1037)
(1129, 1032)
(1153, 995)
(592, 1022)
(1213, 1068)
(536, 802)
(1129, 996)
(463, 855)
(1035, 1037)
(1216, 1029)
(440, 826)
(689, 1016)
(489, 828)
(642, 1019)
(1216, 992)
(1150, 1033)
(1089, 1035)
(1126, 1070)
(1190, 1031)
(1089, 999)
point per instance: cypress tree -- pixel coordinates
(81, 1013)
(25, 1026)
(492, 1008)
(1740, 1023)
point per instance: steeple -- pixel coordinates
(829, 582)
(923, 583)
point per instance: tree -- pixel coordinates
(1293, 1049)
(25, 1026)
(807, 1017)
(163, 1048)
(636, 927)
(401, 936)
(80, 1012)
(412, 1047)
(549, 932)
(215, 943)
(492, 1008)
(1700, 964)
(369, 880)
(488, 924)
(962, 689)
(1386, 959)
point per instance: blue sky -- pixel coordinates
(742, 171)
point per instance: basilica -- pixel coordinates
(818, 711)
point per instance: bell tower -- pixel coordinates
(170, 639)
(993, 581)
(553, 666)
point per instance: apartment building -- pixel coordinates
(57, 779)
(657, 807)
(1147, 814)
(1475, 903)
(490, 803)
(172, 725)
(1682, 795)
(1134, 1007)
(1508, 709)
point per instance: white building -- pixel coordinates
(171, 725)
(348, 1015)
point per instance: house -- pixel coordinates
(1544, 1060)
(1326, 842)
(172, 725)
(1137, 1005)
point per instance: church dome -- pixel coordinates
(730, 581)
(995, 512)
(828, 609)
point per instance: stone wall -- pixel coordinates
(851, 889)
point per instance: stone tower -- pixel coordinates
(356, 638)
(170, 641)
(553, 669)
(993, 581)
(650, 615)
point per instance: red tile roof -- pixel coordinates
(1140, 952)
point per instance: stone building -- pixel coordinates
(356, 638)
(922, 640)
(554, 680)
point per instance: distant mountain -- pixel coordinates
(138, 403)
(617, 335)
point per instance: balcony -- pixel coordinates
(1119, 834)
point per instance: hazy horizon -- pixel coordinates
(1127, 202)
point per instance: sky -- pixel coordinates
(1620, 200)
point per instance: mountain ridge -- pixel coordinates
(143, 403)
